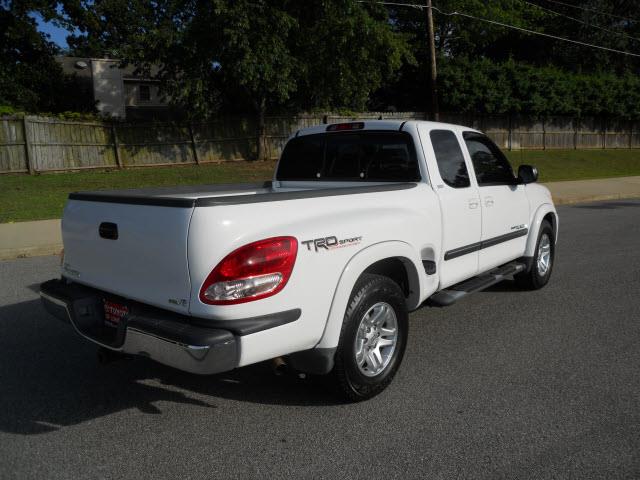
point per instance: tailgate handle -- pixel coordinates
(108, 230)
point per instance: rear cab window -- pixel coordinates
(365, 156)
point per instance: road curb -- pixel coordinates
(9, 254)
(30, 239)
(594, 198)
(569, 192)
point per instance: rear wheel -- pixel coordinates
(540, 272)
(373, 338)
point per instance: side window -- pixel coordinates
(450, 160)
(490, 164)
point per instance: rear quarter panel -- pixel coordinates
(410, 216)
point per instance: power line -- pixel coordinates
(593, 10)
(506, 25)
(615, 32)
(413, 5)
(533, 32)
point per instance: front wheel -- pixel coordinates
(373, 338)
(540, 272)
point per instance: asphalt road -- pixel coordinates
(505, 384)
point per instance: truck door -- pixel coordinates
(504, 203)
(459, 203)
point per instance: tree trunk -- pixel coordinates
(262, 108)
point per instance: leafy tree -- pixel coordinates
(27, 67)
(484, 86)
(30, 78)
(346, 52)
(600, 22)
(256, 55)
(492, 69)
(286, 55)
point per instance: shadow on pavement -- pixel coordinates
(50, 378)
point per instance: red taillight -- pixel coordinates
(341, 127)
(257, 270)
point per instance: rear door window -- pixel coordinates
(364, 156)
(451, 164)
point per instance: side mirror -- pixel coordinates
(527, 174)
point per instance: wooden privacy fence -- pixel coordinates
(41, 144)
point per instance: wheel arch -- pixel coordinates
(552, 218)
(394, 259)
(544, 212)
(399, 269)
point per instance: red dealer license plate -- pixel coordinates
(114, 312)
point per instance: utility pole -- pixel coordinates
(434, 72)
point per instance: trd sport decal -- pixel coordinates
(331, 243)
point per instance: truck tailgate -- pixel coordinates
(138, 251)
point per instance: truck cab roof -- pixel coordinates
(364, 125)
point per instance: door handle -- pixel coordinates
(488, 201)
(473, 203)
(108, 230)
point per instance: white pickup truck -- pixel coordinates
(362, 223)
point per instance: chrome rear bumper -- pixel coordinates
(164, 337)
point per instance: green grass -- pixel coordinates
(556, 165)
(25, 197)
(37, 197)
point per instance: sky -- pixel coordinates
(56, 34)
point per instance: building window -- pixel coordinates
(144, 93)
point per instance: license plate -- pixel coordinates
(114, 313)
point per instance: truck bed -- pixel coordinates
(134, 242)
(189, 196)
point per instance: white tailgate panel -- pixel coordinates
(148, 261)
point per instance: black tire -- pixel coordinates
(534, 279)
(369, 291)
